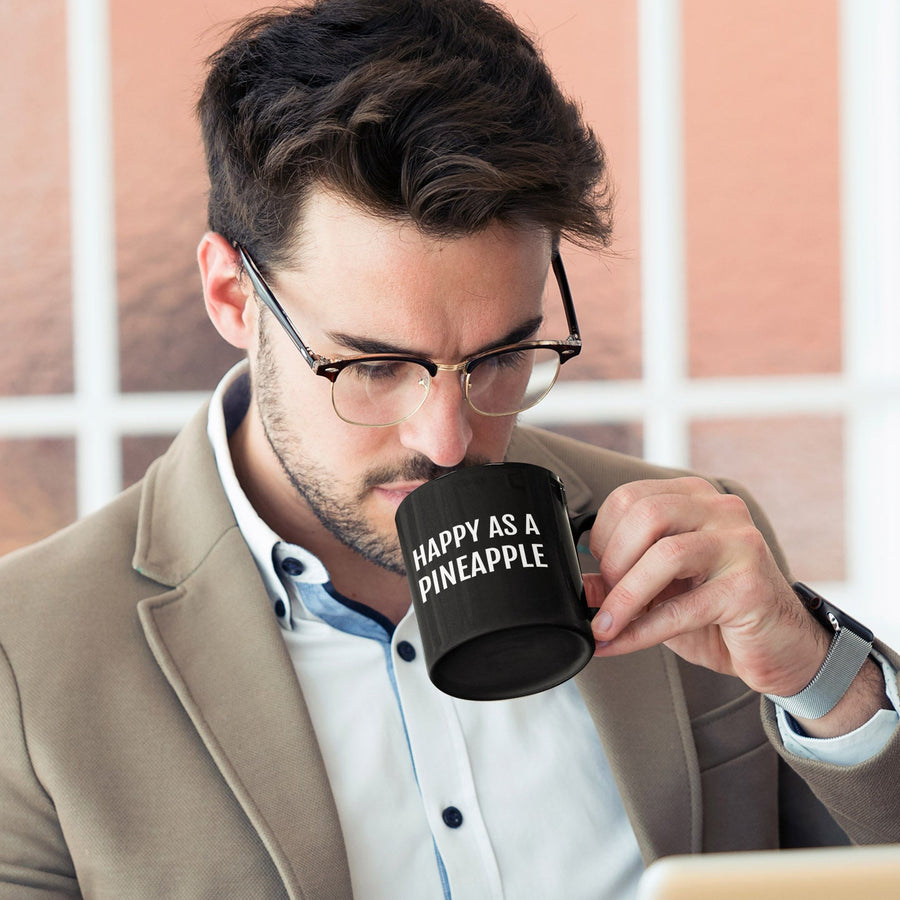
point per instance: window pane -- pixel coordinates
(794, 468)
(138, 452)
(762, 186)
(37, 489)
(36, 338)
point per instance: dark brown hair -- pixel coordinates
(439, 111)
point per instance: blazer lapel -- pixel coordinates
(215, 639)
(639, 711)
(636, 701)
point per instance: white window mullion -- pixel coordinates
(870, 175)
(664, 345)
(59, 415)
(94, 314)
(731, 397)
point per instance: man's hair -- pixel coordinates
(437, 111)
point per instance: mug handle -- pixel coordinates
(581, 523)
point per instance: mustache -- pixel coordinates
(418, 468)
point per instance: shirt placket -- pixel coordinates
(441, 759)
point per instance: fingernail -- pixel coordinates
(602, 621)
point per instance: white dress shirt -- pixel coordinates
(438, 796)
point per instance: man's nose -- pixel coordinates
(441, 428)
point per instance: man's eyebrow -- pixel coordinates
(361, 344)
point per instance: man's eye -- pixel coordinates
(514, 359)
(381, 370)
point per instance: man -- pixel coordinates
(215, 687)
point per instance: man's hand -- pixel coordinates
(683, 565)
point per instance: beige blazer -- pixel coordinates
(154, 741)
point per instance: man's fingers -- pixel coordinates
(672, 559)
(636, 515)
(685, 615)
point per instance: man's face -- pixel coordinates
(364, 284)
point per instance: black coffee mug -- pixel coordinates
(493, 569)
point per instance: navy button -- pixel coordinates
(280, 609)
(293, 566)
(452, 817)
(406, 651)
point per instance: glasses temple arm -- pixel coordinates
(264, 292)
(568, 305)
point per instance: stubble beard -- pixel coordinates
(339, 514)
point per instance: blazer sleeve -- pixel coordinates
(34, 861)
(863, 799)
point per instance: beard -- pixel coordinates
(339, 512)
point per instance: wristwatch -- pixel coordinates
(849, 649)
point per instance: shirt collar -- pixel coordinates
(227, 409)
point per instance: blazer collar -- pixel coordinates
(213, 635)
(183, 509)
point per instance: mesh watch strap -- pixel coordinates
(849, 649)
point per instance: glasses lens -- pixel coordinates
(512, 381)
(379, 392)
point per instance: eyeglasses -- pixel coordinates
(382, 389)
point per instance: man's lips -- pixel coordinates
(400, 488)
(396, 492)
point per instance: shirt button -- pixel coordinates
(452, 817)
(293, 566)
(406, 651)
(280, 609)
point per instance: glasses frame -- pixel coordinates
(330, 368)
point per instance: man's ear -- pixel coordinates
(228, 297)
